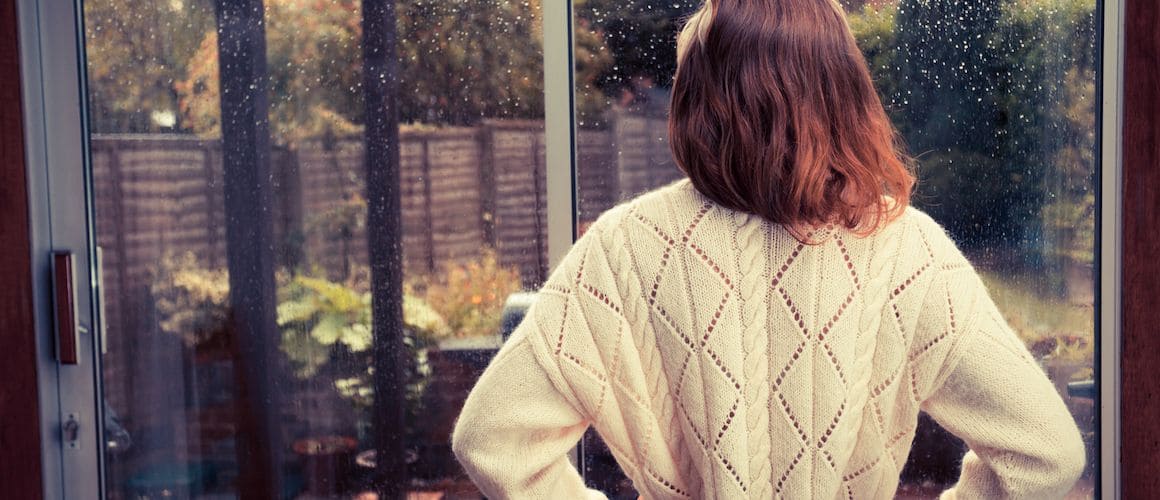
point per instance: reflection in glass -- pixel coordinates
(995, 100)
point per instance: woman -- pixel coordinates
(772, 325)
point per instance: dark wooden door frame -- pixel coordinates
(1140, 330)
(20, 455)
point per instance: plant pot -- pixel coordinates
(327, 463)
(454, 371)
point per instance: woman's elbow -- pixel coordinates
(461, 442)
(470, 445)
(1072, 458)
(1060, 465)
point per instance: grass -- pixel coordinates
(1050, 326)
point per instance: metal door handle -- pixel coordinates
(64, 305)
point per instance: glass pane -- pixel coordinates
(203, 398)
(996, 100)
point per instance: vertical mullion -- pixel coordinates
(560, 139)
(247, 195)
(385, 243)
(560, 133)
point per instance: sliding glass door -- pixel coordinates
(300, 229)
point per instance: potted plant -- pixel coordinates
(191, 302)
(326, 335)
(470, 297)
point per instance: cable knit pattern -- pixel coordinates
(719, 357)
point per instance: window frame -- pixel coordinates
(56, 139)
(60, 208)
(1109, 222)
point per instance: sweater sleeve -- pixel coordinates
(515, 431)
(994, 396)
(517, 427)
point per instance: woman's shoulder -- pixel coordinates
(672, 202)
(675, 206)
(915, 216)
(922, 229)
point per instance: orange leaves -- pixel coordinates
(470, 295)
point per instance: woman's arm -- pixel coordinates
(987, 389)
(516, 430)
(1023, 441)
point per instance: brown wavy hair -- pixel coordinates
(774, 113)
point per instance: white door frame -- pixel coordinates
(56, 138)
(1109, 225)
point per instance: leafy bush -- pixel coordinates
(996, 100)
(325, 326)
(470, 296)
(190, 302)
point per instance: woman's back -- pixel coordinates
(718, 356)
(725, 346)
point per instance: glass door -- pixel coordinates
(239, 155)
(218, 187)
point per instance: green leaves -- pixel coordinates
(329, 329)
(332, 314)
(357, 337)
(191, 302)
(419, 314)
(332, 297)
(294, 311)
(306, 353)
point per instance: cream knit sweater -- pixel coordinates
(718, 357)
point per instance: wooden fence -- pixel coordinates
(462, 189)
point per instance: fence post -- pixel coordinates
(487, 183)
(428, 211)
(288, 196)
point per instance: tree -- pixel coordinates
(314, 72)
(873, 29)
(946, 105)
(460, 62)
(635, 53)
(135, 53)
(641, 36)
(949, 61)
(467, 60)
(1058, 90)
(980, 96)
